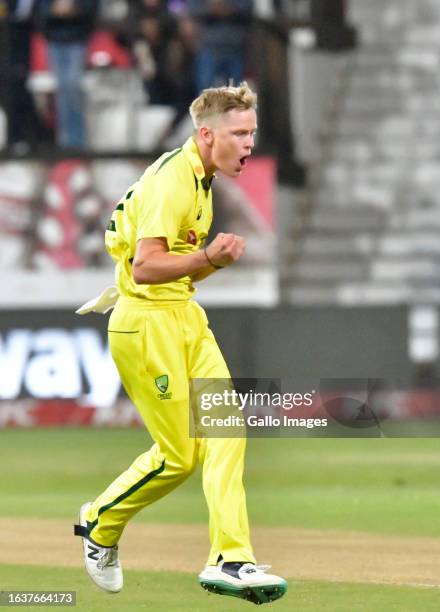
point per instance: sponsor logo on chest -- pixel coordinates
(192, 237)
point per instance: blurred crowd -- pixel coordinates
(177, 47)
(116, 77)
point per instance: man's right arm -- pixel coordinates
(153, 264)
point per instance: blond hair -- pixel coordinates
(219, 100)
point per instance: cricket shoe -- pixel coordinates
(243, 580)
(102, 562)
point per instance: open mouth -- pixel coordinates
(243, 161)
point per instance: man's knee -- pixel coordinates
(183, 465)
(180, 460)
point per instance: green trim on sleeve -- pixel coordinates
(168, 159)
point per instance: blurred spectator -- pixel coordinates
(67, 25)
(224, 27)
(329, 20)
(181, 66)
(26, 129)
(177, 6)
(164, 51)
(151, 52)
(149, 7)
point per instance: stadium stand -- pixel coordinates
(369, 234)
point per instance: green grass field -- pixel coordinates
(383, 486)
(171, 591)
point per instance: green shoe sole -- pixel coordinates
(256, 594)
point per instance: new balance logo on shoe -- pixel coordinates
(93, 552)
(102, 562)
(244, 580)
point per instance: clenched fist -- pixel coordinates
(225, 249)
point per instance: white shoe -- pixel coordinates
(102, 562)
(243, 580)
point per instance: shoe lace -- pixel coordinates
(108, 558)
(251, 568)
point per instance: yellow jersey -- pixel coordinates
(173, 200)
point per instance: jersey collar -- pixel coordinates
(191, 151)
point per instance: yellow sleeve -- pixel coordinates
(162, 207)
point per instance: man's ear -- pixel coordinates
(206, 135)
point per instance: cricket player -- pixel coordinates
(160, 340)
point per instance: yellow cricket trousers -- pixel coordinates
(158, 347)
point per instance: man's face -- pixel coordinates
(233, 140)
